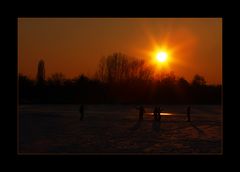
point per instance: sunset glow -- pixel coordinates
(162, 56)
(74, 46)
(100, 85)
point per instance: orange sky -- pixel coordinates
(74, 45)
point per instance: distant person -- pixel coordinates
(188, 113)
(160, 109)
(155, 113)
(81, 110)
(141, 112)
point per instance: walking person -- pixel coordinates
(81, 110)
(141, 112)
(188, 113)
(155, 113)
(160, 109)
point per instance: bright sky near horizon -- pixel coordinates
(74, 46)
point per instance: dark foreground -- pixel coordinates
(115, 129)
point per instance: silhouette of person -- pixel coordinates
(188, 113)
(155, 113)
(141, 112)
(81, 110)
(159, 113)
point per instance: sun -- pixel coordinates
(162, 56)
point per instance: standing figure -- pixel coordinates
(188, 113)
(159, 113)
(141, 112)
(155, 113)
(81, 110)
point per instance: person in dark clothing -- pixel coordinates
(141, 112)
(188, 113)
(159, 113)
(155, 113)
(81, 110)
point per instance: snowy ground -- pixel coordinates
(115, 129)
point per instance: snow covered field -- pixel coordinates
(115, 129)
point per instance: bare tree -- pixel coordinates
(57, 79)
(41, 72)
(198, 80)
(119, 67)
(100, 74)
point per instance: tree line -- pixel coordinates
(118, 79)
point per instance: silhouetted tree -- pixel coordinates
(112, 68)
(119, 67)
(166, 89)
(23, 80)
(183, 89)
(41, 72)
(57, 79)
(199, 90)
(81, 79)
(198, 80)
(119, 79)
(25, 88)
(183, 83)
